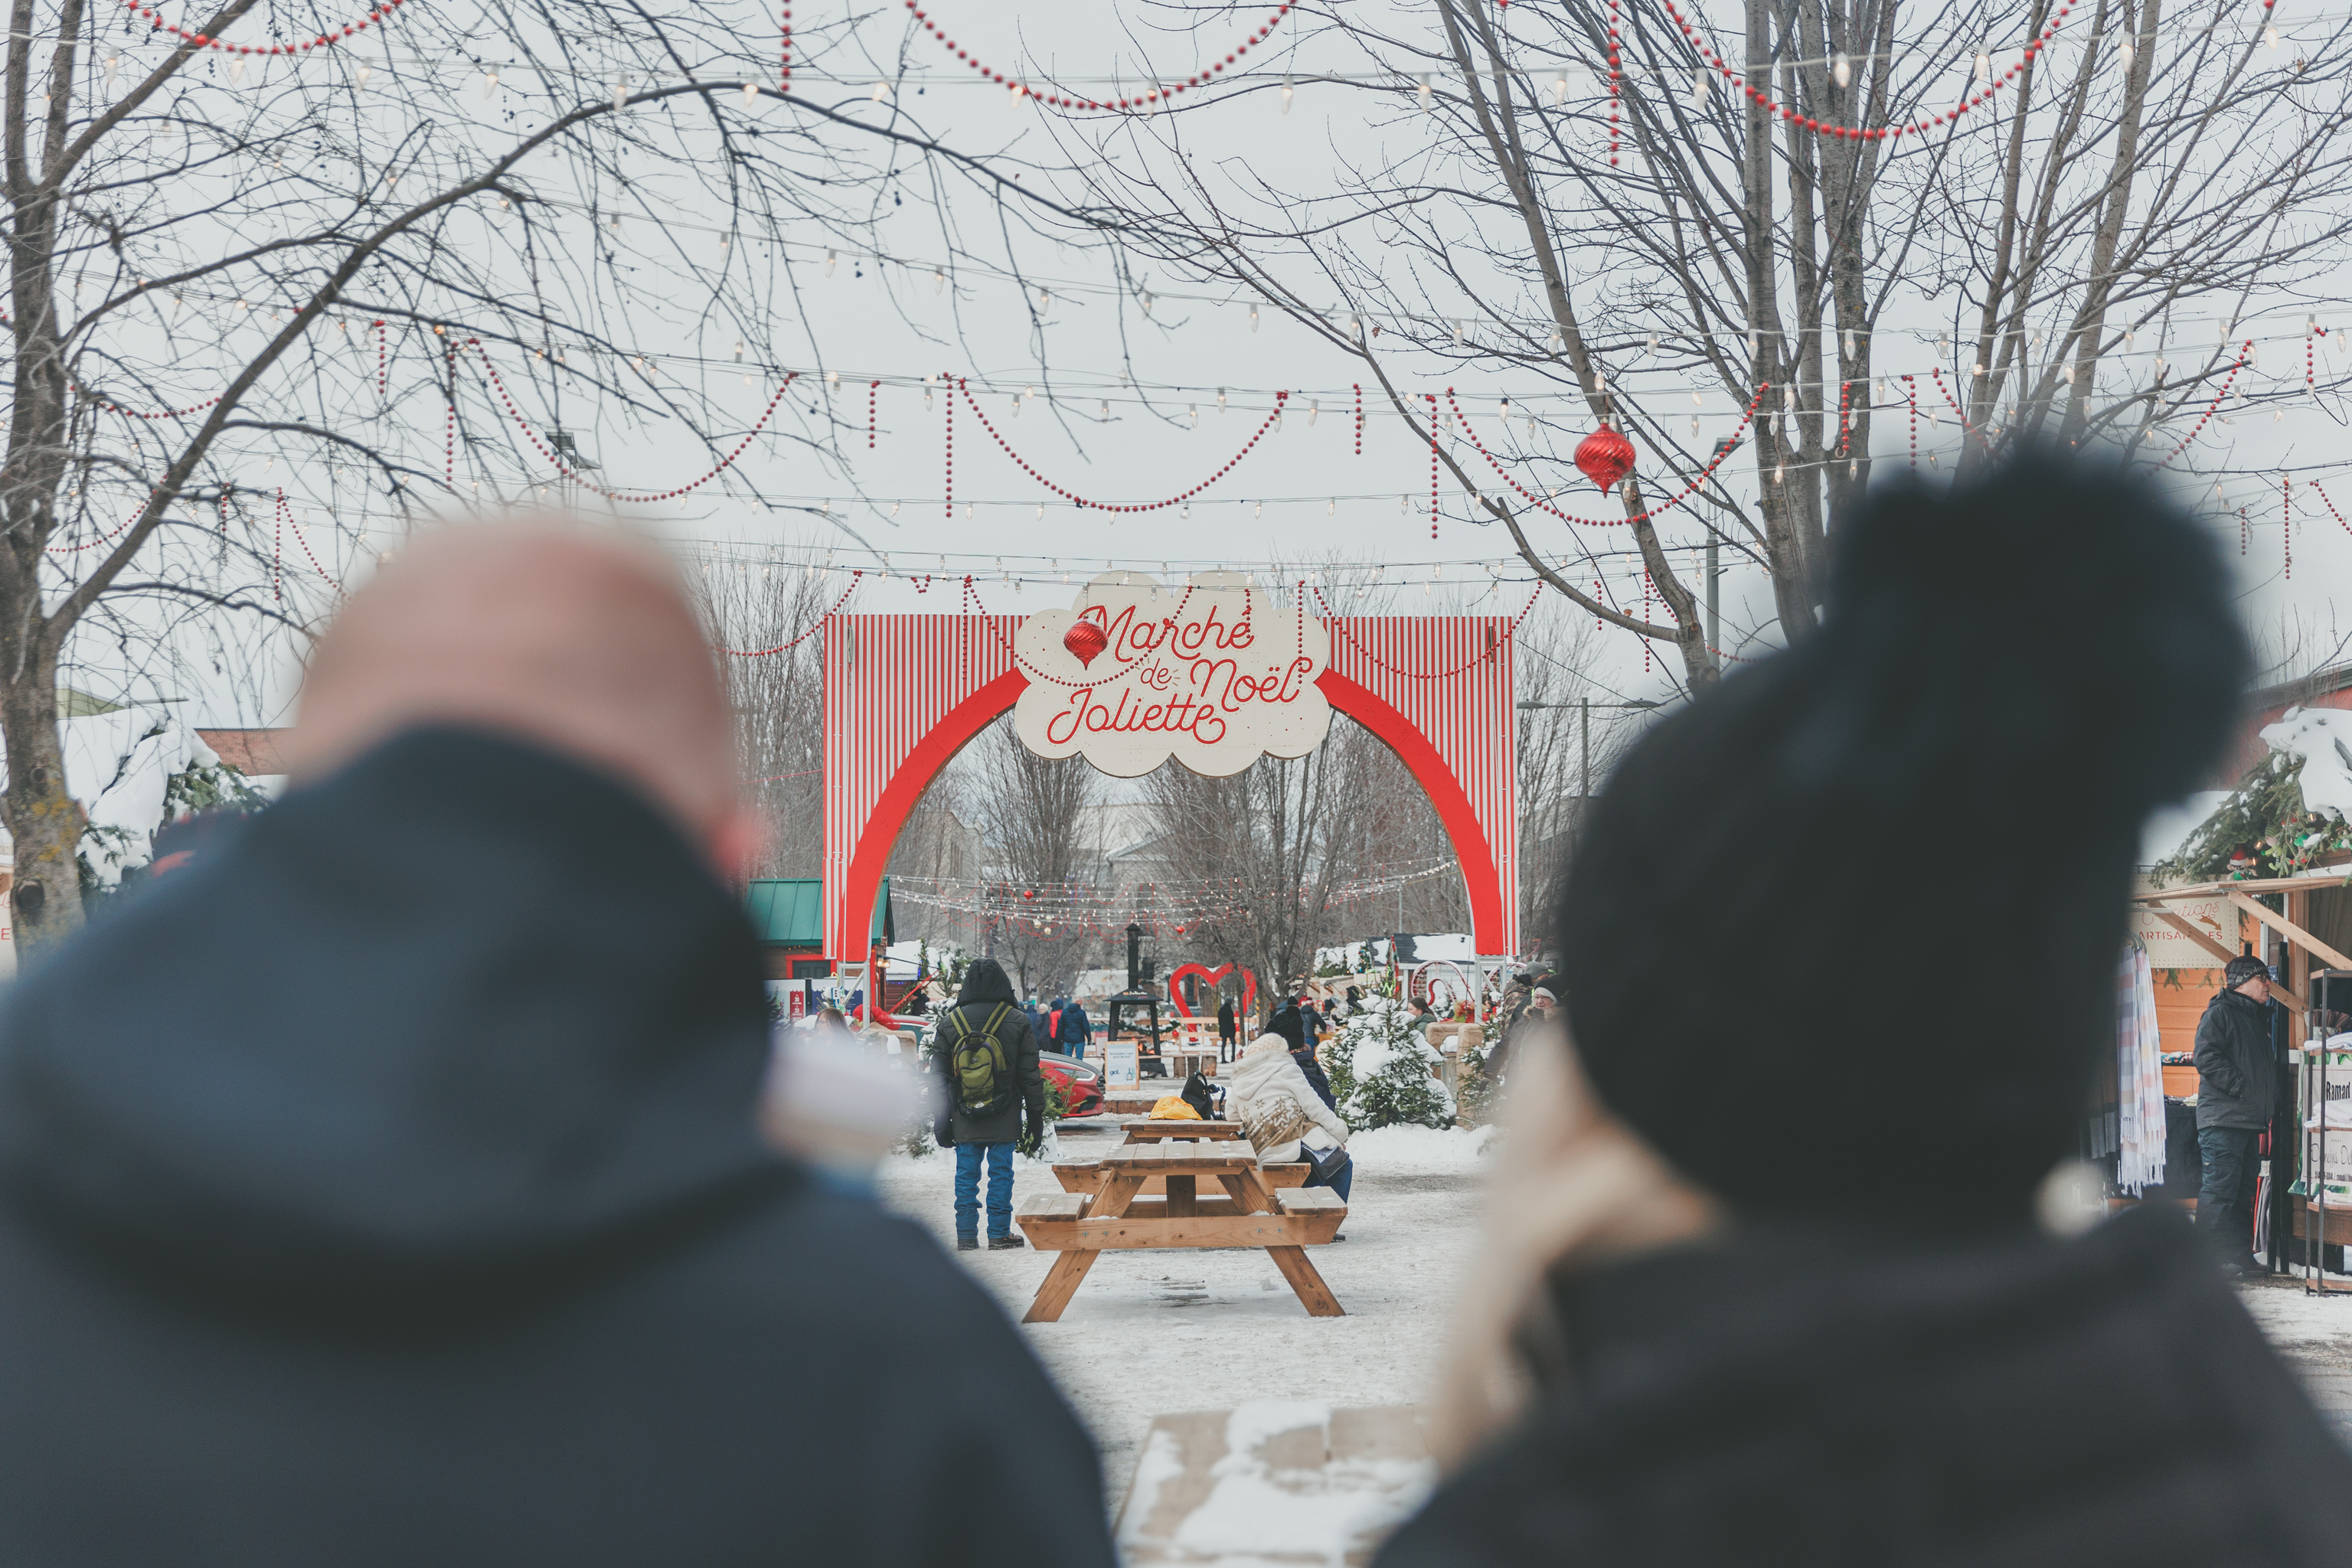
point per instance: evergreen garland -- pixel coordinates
(2263, 829)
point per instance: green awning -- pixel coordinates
(789, 913)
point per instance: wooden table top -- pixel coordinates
(1178, 1127)
(1179, 1159)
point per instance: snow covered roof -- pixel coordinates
(2322, 736)
(119, 762)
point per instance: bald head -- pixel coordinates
(582, 641)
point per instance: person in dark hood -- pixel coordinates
(1227, 1028)
(1777, 1293)
(2237, 1094)
(989, 1082)
(382, 1189)
(1292, 1027)
(1070, 1028)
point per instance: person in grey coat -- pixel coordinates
(2237, 1092)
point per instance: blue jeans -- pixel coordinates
(1000, 1188)
(2225, 1203)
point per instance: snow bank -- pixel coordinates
(1402, 1148)
(2322, 736)
(1259, 1512)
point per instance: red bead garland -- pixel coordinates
(1139, 104)
(632, 499)
(811, 630)
(961, 384)
(324, 40)
(2245, 350)
(1878, 134)
(103, 538)
(1432, 462)
(1616, 79)
(1337, 626)
(1747, 416)
(286, 518)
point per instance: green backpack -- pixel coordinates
(977, 1067)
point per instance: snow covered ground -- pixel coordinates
(1158, 1332)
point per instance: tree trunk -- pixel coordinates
(43, 819)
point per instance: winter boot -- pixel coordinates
(1005, 1242)
(967, 1244)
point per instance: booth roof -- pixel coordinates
(789, 913)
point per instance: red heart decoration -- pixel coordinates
(1176, 988)
(1085, 640)
(1605, 456)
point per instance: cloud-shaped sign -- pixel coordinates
(1213, 674)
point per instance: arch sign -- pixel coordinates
(1211, 673)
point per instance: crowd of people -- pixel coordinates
(384, 1186)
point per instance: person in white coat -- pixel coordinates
(1278, 1110)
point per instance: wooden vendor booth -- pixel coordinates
(2301, 926)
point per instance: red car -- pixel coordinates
(1081, 1085)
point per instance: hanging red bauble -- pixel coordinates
(1087, 638)
(1605, 456)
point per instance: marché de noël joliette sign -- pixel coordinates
(1213, 673)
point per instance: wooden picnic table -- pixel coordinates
(1147, 1130)
(1115, 1217)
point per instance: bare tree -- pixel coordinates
(269, 307)
(1030, 808)
(765, 619)
(1752, 232)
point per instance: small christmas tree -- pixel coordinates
(1380, 1070)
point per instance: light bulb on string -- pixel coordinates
(830, 261)
(751, 93)
(1699, 88)
(1560, 89)
(490, 83)
(1288, 93)
(359, 78)
(1842, 71)
(1253, 318)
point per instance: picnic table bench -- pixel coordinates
(1117, 1216)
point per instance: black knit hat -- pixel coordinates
(2243, 968)
(1770, 935)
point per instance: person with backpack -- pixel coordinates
(988, 1060)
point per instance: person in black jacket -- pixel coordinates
(382, 1189)
(1225, 1029)
(985, 1096)
(1775, 1291)
(2237, 1094)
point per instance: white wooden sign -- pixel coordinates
(1118, 1064)
(2216, 917)
(1213, 674)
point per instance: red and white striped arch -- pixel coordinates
(904, 693)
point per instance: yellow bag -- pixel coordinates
(1173, 1108)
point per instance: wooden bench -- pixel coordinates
(1081, 1226)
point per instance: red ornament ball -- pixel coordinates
(1605, 456)
(1085, 640)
